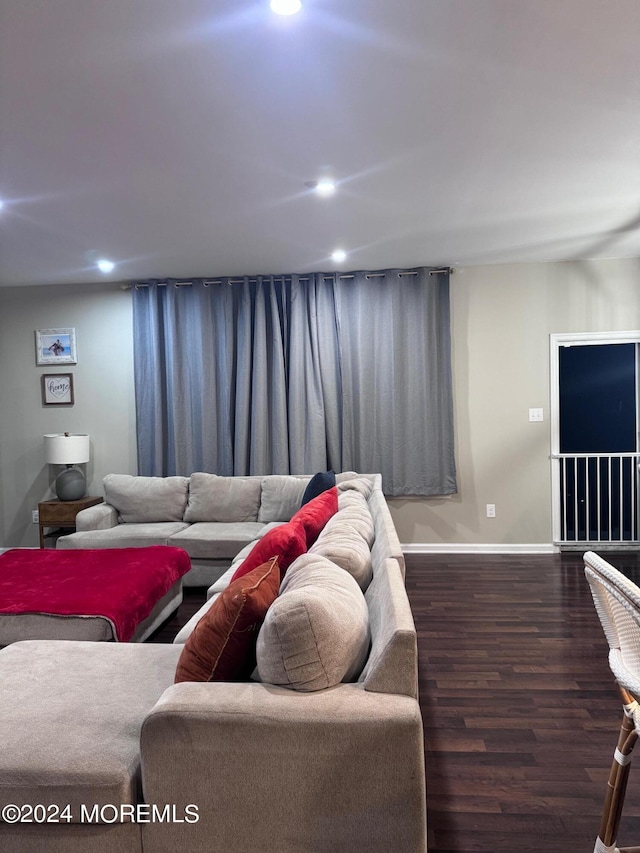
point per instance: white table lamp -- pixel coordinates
(68, 449)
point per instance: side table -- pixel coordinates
(61, 514)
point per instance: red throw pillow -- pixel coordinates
(314, 515)
(286, 542)
(222, 646)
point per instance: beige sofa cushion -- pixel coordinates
(281, 497)
(212, 540)
(363, 485)
(343, 476)
(70, 720)
(224, 499)
(147, 499)
(316, 633)
(347, 550)
(353, 510)
(387, 543)
(124, 536)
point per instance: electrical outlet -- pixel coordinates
(34, 516)
(491, 510)
(536, 415)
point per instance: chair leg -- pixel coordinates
(617, 784)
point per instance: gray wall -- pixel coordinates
(103, 384)
(502, 317)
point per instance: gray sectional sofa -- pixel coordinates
(124, 760)
(210, 516)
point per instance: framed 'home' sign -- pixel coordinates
(57, 389)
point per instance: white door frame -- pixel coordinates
(555, 342)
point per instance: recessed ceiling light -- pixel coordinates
(1, 204)
(105, 265)
(322, 187)
(325, 187)
(285, 7)
(338, 256)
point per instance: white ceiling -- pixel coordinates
(176, 136)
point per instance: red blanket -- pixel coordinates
(119, 584)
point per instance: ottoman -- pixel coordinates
(118, 594)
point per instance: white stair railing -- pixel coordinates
(598, 498)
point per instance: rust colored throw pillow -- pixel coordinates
(314, 515)
(286, 542)
(222, 646)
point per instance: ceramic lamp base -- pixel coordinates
(70, 484)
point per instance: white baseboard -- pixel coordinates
(475, 548)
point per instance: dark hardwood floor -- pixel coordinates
(193, 597)
(520, 709)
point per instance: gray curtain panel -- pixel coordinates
(295, 374)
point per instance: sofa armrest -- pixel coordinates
(339, 770)
(98, 517)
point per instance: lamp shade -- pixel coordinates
(66, 448)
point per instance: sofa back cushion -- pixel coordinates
(348, 550)
(224, 499)
(146, 499)
(354, 511)
(363, 485)
(347, 536)
(316, 632)
(281, 497)
(387, 543)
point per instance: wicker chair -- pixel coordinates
(617, 602)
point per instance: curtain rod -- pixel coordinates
(253, 280)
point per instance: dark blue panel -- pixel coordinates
(598, 399)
